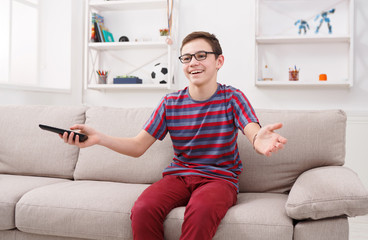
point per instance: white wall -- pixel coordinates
(233, 23)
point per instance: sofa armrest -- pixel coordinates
(327, 192)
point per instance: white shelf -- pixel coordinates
(303, 39)
(136, 19)
(126, 86)
(302, 84)
(127, 5)
(125, 45)
(279, 46)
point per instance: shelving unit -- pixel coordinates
(140, 21)
(279, 46)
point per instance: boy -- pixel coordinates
(203, 120)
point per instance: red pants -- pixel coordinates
(207, 201)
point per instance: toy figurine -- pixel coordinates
(324, 18)
(303, 25)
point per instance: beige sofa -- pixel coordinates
(51, 190)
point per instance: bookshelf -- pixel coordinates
(140, 21)
(279, 46)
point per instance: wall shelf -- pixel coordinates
(127, 86)
(127, 5)
(279, 46)
(302, 39)
(126, 45)
(140, 21)
(302, 84)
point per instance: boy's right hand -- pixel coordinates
(93, 136)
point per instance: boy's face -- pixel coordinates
(201, 73)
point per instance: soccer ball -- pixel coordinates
(159, 73)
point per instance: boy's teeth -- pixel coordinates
(194, 72)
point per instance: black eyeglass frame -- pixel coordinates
(194, 55)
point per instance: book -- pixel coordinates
(108, 37)
(98, 25)
(98, 33)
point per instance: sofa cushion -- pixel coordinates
(325, 229)
(327, 192)
(12, 188)
(315, 139)
(80, 209)
(258, 216)
(18, 235)
(100, 163)
(27, 150)
(101, 210)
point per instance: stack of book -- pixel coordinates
(99, 33)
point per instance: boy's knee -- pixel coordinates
(141, 209)
(145, 209)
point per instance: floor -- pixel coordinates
(358, 228)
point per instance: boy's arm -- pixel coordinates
(134, 146)
(264, 140)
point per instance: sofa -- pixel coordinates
(52, 190)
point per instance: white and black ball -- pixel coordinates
(159, 73)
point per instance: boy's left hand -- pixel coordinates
(267, 141)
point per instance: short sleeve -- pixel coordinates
(156, 124)
(242, 110)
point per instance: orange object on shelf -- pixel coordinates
(323, 77)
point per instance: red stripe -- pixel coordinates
(210, 156)
(216, 145)
(209, 135)
(155, 115)
(197, 104)
(248, 103)
(178, 97)
(242, 109)
(212, 124)
(199, 115)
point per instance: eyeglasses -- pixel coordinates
(199, 56)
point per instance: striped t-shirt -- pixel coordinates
(204, 133)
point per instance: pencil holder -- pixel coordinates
(102, 79)
(293, 75)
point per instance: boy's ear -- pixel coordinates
(220, 61)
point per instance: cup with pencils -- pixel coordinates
(293, 74)
(102, 76)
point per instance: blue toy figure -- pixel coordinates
(324, 18)
(302, 25)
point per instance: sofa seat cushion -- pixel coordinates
(80, 209)
(256, 216)
(12, 188)
(18, 235)
(28, 150)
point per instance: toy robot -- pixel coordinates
(303, 25)
(324, 18)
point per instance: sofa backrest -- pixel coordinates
(315, 138)
(25, 149)
(100, 163)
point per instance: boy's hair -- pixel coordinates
(208, 37)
